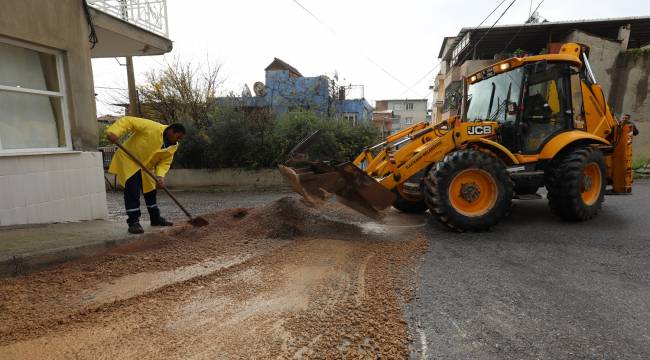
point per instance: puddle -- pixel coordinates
(392, 224)
(136, 284)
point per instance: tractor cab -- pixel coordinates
(531, 102)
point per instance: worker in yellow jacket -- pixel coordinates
(154, 145)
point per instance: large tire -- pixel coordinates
(409, 206)
(469, 190)
(576, 183)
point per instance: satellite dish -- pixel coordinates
(246, 92)
(259, 88)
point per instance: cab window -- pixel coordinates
(545, 110)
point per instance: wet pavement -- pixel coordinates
(536, 287)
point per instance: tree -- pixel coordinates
(180, 92)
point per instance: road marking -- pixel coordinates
(460, 331)
(423, 343)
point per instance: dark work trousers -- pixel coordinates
(132, 190)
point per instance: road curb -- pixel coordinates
(19, 264)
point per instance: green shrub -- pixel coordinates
(640, 162)
(236, 138)
(103, 141)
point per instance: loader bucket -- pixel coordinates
(317, 181)
(309, 184)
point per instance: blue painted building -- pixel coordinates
(286, 89)
(355, 110)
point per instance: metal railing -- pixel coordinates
(150, 15)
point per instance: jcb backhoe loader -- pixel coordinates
(526, 123)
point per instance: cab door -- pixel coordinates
(547, 106)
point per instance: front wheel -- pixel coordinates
(469, 190)
(409, 206)
(576, 184)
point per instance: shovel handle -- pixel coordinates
(153, 176)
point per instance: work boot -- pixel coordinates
(161, 221)
(135, 228)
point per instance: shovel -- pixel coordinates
(195, 221)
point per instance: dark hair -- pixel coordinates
(177, 128)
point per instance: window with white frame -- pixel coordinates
(351, 117)
(409, 106)
(397, 107)
(408, 120)
(33, 107)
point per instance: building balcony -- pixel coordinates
(130, 27)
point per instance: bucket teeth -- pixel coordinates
(317, 181)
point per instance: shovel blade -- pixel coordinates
(198, 221)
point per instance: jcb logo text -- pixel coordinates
(479, 130)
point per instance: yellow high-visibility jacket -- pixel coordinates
(145, 143)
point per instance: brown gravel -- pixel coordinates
(281, 280)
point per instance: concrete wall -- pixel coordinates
(60, 25)
(55, 187)
(629, 94)
(235, 178)
(602, 56)
(49, 188)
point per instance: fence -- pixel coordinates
(150, 15)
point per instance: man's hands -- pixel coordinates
(112, 138)
(160, 181)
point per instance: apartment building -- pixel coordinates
(404, 113)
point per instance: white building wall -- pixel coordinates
(50, 188)
(400, 112)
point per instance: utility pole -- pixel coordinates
(133, 94)
(130, 76)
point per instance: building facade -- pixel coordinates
(404, 112)
(50, 170)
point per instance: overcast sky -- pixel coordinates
(358, 40)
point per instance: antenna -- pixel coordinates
(259, 88)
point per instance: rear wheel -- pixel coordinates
(576, 184)
(469, 190)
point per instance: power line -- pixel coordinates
(368, 58)
(490, 14)
(522, 26)
(487, 32)
(440, 62)
(420, 80)
(315, 17)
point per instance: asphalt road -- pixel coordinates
(538, 288)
